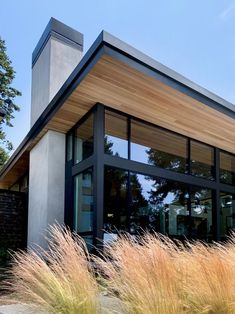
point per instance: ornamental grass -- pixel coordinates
(154, 275)
(150, 274)
(58, 280)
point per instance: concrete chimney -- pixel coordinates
(57, 53)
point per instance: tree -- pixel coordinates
(116, 194)
(7, 98)
(162, 187)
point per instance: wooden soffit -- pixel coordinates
(118, 85)
(122, 87)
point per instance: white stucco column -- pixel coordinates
(46, 186)
(57, 54)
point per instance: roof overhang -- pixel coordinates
(121, 77)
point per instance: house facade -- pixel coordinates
(120, 143)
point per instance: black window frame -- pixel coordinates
(99, 159)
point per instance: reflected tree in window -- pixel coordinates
(227, 168)
(163, 208)
(155, 146)
(108, 144)
(202, 160)
(227, 214)
(175, 196)
(166, 160)
(115, 199)
(201, 213)
(115, 194)
(162, 187)
(116, 133)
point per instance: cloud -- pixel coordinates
(227, 12)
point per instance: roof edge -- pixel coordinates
(106, 39)
(55, 102)
(155, 65)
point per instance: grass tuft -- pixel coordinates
(58, 280)
(155, 275)
(150, 275)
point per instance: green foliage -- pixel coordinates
(3, 156)
(7, 100)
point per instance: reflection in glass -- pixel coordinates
(201, 213)
(116, 138)
(89, 242)
(227, 168)
(227, 214)
(158, 147)
(202, 160)
(115, 199)
(83, 201)
(84, 140)
(158, 205)
(69, 148)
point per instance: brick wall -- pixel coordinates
(13, 219)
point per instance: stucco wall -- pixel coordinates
(46, 186)
(54, 65)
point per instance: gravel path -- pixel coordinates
(109, 305)
(17, 309)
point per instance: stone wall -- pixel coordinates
(13, 220)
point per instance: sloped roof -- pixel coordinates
(106, 54)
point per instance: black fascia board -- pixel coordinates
(109, 44)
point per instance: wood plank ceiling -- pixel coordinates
(122, 87)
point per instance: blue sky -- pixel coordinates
(195, 38)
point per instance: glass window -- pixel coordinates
(116, 135)
(89, 242)
(154, 146)
(201, 213)
(227, 214)
(158, 205)
(227, 168)
(115, 199)
(83, 201)
(69, 144)
(84, 140)
(202, 160)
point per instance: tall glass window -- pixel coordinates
(84, 140)
(227, 168)
(227, 214)
(154, 146)
(134, 202)
(158, 205)
(201, 213)
(115, 199)
(202, 160)
(83, 201)
(116, 134)
(69, 147)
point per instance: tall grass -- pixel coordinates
(149, 275)
(58, 280)
(156, 275)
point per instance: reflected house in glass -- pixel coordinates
(124, 144)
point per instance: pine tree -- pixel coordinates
(7, 100)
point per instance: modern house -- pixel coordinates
(119, 142)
